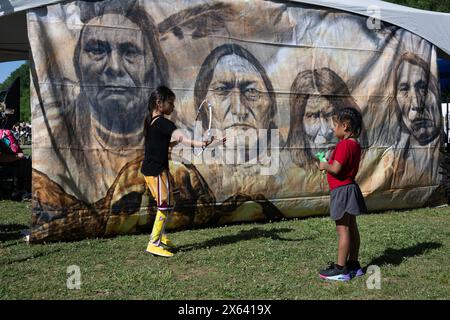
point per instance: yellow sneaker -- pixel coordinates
(158, 250)
(166, 242)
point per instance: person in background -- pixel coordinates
(12, 155)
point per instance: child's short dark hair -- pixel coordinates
(351, 117)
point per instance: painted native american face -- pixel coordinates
(238, 92)
(417, 102)
(112, 68)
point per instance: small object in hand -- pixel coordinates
(321, 156)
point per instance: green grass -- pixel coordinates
(249, 261)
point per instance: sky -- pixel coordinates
(7, 67)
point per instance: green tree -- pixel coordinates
(23, 72)
(432, 5)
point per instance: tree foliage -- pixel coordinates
(23, 72)
(432, 5)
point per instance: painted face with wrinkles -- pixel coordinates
(318, 122)
(418, 105)
(238, 95)
(112, 67)
(241, 103)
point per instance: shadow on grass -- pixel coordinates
(28, 258)
(244, 235)
(397, 256)
(11, 231)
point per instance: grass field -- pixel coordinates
(249, 261)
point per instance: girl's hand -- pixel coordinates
(215, 142)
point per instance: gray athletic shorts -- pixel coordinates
(346, 199)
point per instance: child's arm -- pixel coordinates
(341, 153)
(179, 137)
(334, 168)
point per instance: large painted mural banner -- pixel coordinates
(272, 72)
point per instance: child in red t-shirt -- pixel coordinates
(346, 199)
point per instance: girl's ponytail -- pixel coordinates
(162, 93)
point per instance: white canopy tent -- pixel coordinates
(432, 26)
(14, 43)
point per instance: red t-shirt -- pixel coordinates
(348, 154)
